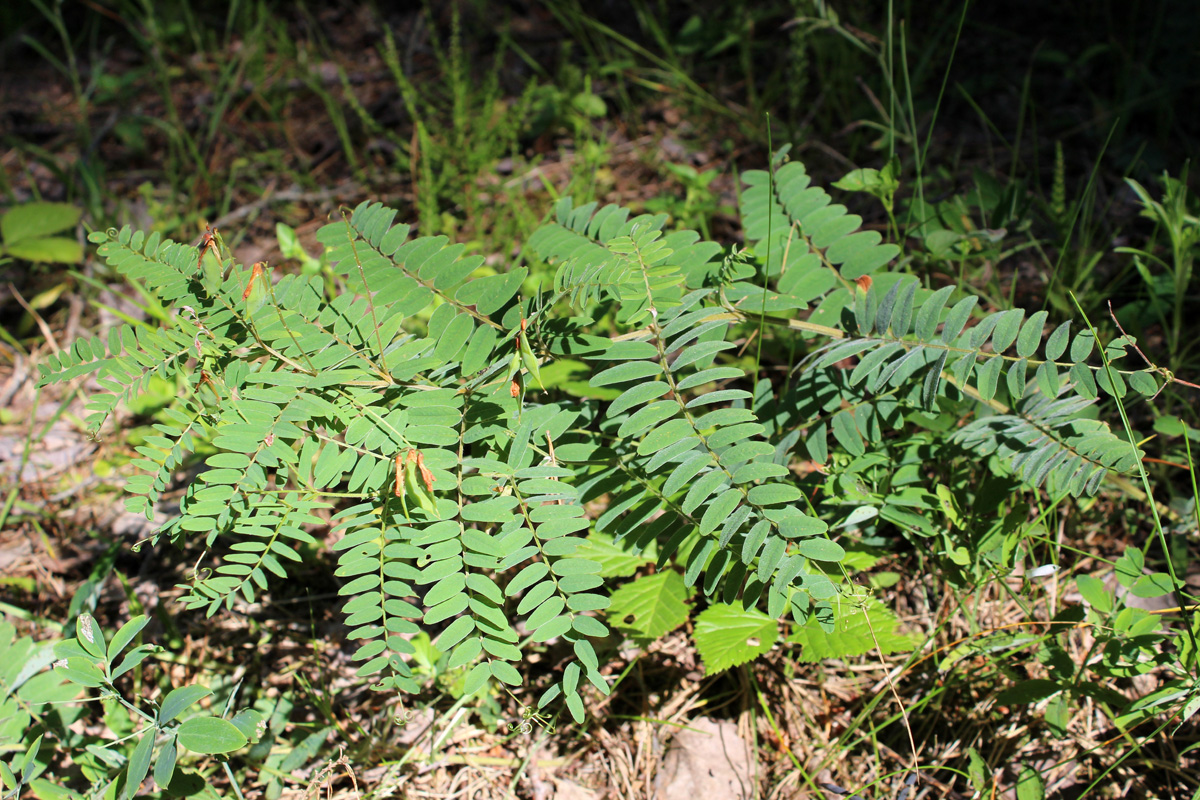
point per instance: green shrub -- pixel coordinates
(458, 429)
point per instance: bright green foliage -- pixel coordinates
(650, 607)
(727, 634)
(150, 738)
(863, 626)
(28, 233)
(27, 689)
(406, 404)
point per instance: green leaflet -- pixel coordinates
(637, 395)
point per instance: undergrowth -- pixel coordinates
(481, 503)
(634, 435)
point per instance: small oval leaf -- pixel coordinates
(820, 549)
(179, 700)
(210, 735)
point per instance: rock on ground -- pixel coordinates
(707, 759)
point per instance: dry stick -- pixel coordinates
(292, 195)
(914, 763)
(41, 323)
(16, 380)
(327, 774)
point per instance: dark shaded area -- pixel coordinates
(1025, 72)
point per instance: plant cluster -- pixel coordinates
(151, 738)
(504, 463)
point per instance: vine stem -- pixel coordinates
(747, 316)
(1167, 374)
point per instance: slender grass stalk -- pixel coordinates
(762, 314)
(1176, 584)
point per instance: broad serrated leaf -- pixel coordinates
(649, 607)
(728, 635)
(862, 628)
(616, 559)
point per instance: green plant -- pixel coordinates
(28, 232)
(149, 737)
(32, 700)
(1126, 641)
(460, 489)
(460, 126)
(1167, 291)
(291, 249)
(698, 204)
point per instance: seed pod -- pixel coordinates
(257, 288)
(530, 360)
(514, 366)
(422, 492)
(255, 272)
(208, 243)
(426, 474)
(211, 267)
